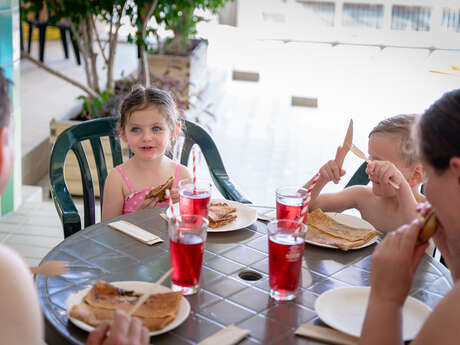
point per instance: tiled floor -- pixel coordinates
(264, 141)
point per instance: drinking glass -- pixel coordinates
(194, 199)
(286, 240)
(187, 236)
(289, 201)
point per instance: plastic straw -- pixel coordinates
(307, 198)
(194, 171)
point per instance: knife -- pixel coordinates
(326, 334)
(340, 157)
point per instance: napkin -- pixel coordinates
(135, 232)
(226, 336)
(326, 334)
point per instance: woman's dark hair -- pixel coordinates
(141, 98)
(4, 101)
(439, 131)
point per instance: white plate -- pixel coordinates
(349, 220)
(344, 310)
(246, 216)
(138, 286)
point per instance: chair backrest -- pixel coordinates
(71, 139)
(359, 177)
(93, 130)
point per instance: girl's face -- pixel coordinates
(147, 133)
(386, 147)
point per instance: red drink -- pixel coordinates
(186, 259)
(289, 203)
(194, 203)
(289, 212)
(187, 235)
(285, 261)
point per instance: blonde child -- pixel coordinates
(149, 124)
(392, 158)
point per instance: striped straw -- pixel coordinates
(307, 199)
(168, 195)
(194, 171)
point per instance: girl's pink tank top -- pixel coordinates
(134, 199)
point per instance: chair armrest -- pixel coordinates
(65, 207)
(228, 189)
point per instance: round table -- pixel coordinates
(100, 252)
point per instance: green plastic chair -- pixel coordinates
(93, 130)
(359, 177)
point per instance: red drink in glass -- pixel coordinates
(186, 259)
(289, 202)
(187, 235)
(285, 251)
(194, 198)
(190, 203)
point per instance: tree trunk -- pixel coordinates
(144, 71)
(92, 56)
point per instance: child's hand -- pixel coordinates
(175, 195)
(331, 172)
(148, 203)
(384, 171)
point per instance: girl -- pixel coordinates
(149, 124)
(397, 257)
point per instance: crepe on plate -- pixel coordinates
(220, 213)
(101, 301)
(160, 191)
(325, 230)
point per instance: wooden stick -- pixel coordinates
(145, 296)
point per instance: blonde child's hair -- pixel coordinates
(141, 98)
(401, 125)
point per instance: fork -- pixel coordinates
(361, 155)
(145, 296)
(51, 268)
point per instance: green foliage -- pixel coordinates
(105, 105)
(179, 16)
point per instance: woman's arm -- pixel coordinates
(113, 196)
(441, 327)
(392, 268)
(21, 319)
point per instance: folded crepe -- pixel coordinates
(160, 191)
(101, 301)
(220, 213)
(325, 230)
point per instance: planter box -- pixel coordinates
(72, 169)
(190, 70)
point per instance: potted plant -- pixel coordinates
(179, 56)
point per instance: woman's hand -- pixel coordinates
(384, 171)
(148, 203)
(125, 330)
(394, 263)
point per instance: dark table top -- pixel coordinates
(100, 252)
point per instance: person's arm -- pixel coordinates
(113, 196)
(441, 327)
(383, 172)
(340, 201)
(392, 268)
(21, 319)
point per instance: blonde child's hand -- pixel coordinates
(148, 203)
(384, 171)
(331, 172)
(175, 195)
